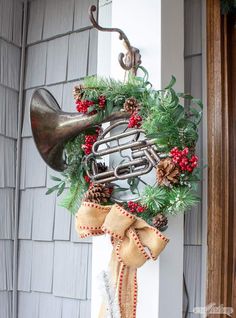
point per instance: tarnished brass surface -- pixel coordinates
(52, 128)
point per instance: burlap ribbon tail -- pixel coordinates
(134, 242)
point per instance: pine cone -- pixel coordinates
(78, 92)
(167, 172)
(160, 221)
(97, 193)
(101, 166)
(131, 104)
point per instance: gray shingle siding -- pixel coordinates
(54, 266)
(10, 41)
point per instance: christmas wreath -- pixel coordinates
(169, 118)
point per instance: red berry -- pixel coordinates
(185, 151)
(87, 179)
(101, 101)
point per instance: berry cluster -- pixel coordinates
(83, 105)
(102, 101)
(88, 144)
(135, 120)
(135, 207)
(185, 161)
(87, 179)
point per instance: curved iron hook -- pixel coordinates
(129, 61)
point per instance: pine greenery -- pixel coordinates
(168, 117)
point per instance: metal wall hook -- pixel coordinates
(129, 61)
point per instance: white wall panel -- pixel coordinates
(92, 56)
(36, 18)
(28, 305)
(57, 60)
(78, 55)
(81, 19)
(50, 306)
(25, 265)
(58, 17)
(42, 267)
(62, 223)
(5, 304)
(9, 64)
(43, 215)
(71, 308)
(6, 252)
(85, 308)
(26, 214)
(11, 113)
(7, 159)
(17, 21)
(36, 65)
(26, 129)
(6, 213)
(2, 110)
(33, 169)
(68, 103)
(6, 19)
(70, 270)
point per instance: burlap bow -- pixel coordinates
(134, 242)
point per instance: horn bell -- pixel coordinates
(52, 128)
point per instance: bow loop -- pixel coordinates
(134, 242)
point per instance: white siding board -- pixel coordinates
(6, 213)
(6, 19)
(6, 252)
(62, 223)
(56, 91)
(43, 215)
(193, 26)
(26, 128)
(78, 55)
(71, 308)
(92, 57)
(85, 309)
(89, 280)
(70, 270)
(28, 305)
(23, 162)
(57, 60)
(68, 103)
(58, 17)
(2, 110)
(11, 113)
(35, 24)
(26, 214)
(50, 306)
(9, 64)
(24, 265)
(17, 22)
(81, 19)
(33, 167)
(42, 267)
(36, 65)
(5, 304)
(7, 159)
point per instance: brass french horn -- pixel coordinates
(52, 128)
